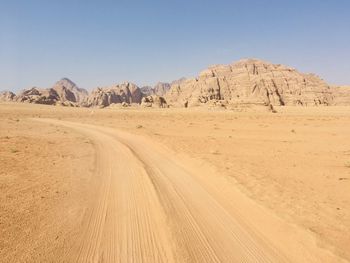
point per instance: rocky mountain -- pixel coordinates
(64, 92)
(246, 82)
(103, 97)
(38, 96)
(251, 81)
(67, 90)
(160, 89)
(147, 90)
(178, 81)
(7, 96)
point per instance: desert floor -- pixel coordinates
(174, 185)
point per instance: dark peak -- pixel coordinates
(65, 81)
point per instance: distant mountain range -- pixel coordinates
(248, 81)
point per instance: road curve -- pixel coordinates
(147, 207)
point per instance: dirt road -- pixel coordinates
(149, 206)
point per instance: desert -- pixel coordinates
(174, 131)
(63, 199)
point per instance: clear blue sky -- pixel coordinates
(97, 43)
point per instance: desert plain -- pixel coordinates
(174, 185)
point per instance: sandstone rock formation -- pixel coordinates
(251, 81)
(341, 95)
(147, 90)
(103, 97)
(7, 96)
(38, 96)
(64, 93)
(160, 89)
(241, 84)
(68, 91)
(178, 81)
(154, 101)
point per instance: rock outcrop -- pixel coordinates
(68, 91)
(7, 96)
(341, 95)
(154, 101)
(160, 89)
(64, 93)
(147, 90)
(38, 96)
(242, 84)
(178, 81)
(251, 81)
(103, 97)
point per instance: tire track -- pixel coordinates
(149, 208)
(124, 223)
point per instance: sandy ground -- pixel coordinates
(130, 185)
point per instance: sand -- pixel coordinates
(174, 185)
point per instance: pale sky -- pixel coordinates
(96, 43)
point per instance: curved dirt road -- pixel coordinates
(147, 207)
